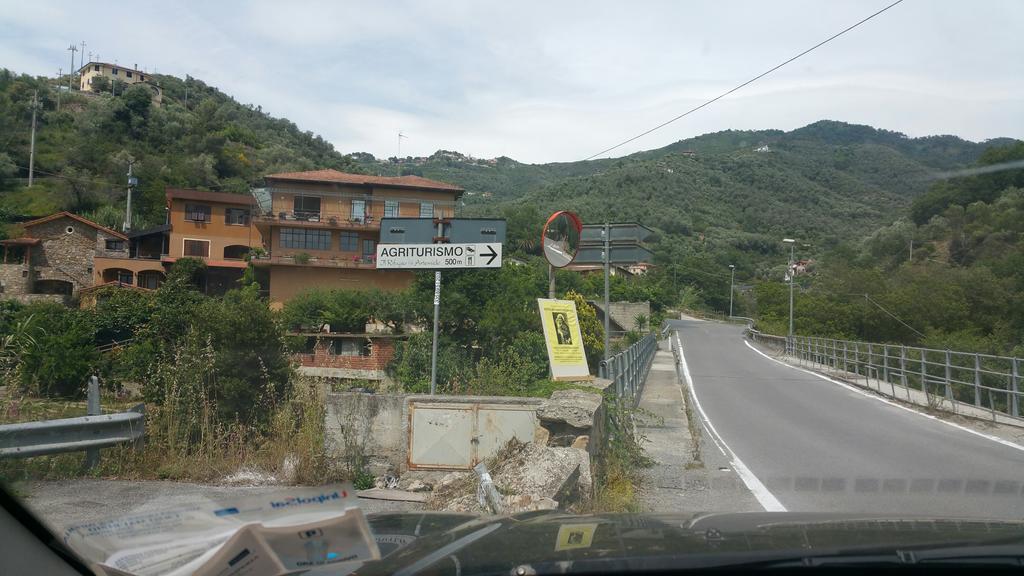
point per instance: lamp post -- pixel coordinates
(732, 278)
(790, 273)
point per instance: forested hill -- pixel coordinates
(824, 180)
(82, 151)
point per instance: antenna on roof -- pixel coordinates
(399, 157)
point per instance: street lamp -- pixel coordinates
(791, 274)
(732, 278)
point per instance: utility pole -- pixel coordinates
(606, 256)
(71, 72)
(399, 157)
(60, 72)
(32, 144)
(732, 278)
(132, 181)
(911, 250)
(82, 59)
(791, 273)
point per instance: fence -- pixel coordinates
(986, 382)
(628, 369)
(85, 433)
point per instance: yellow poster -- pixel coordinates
(564, 340)
(573, 536)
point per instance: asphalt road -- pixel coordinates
(811, 445)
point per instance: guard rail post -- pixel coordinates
(92, 455)
(845, 371)
(1014, 385)
(977, 381)
(949, 369)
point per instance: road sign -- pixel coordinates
(455, 230)
(619, 254)
(438, 256)
(407, 230)
(619, 232)
(466, 230)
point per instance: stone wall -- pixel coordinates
(15, 280)
(64, 255)
(624, 313)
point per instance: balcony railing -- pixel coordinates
(339, 261)
(321, 219)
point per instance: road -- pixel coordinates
(803, 443)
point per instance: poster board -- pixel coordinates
(566, 355)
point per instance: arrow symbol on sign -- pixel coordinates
(492, 255)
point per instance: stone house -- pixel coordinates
(53, 260)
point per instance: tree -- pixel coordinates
(590, 327)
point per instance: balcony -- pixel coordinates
(339, 261)
(320, 219)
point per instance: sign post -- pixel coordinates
(439, 244)
(433, 346)
(612, 243)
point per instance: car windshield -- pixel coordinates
(733, 269)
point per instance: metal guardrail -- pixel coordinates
(83, 433)
(628, 369)
(982, 380)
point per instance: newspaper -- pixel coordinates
(287, 532)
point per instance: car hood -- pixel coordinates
(542, 542)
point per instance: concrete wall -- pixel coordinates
(624, 313)
(286, 282)
(377, 426)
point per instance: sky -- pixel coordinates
(557, 81)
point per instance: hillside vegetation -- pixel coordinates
(83, 150)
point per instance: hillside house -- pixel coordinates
(88, 74)
(55, 258)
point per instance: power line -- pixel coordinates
(895, 317)
(752, 80)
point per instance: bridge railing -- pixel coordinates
(628, 369)
(984, 381)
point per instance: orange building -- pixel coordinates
(213, 226)
(321, 227)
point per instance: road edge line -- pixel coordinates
(884, 400)
(764, 497)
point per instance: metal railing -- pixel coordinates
(628, 369)
(84, 433)
(987, 382)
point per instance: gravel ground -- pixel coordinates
(65, 503)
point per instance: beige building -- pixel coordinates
(321, 227)
(88, 74)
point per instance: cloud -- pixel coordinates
(558, 81)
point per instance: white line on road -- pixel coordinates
(853, 388)
(764, 497)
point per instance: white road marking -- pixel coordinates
(853, 388)
(767, 500)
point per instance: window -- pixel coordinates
(115, 244)
(142, 78)
(235, 252)
(359, 210)
(349, 348)
(150, 279)
(305, 239)
(96, 68)
(236, 216)
(349, 241)
(124, 276)
(115, 72)
(128, 73)
(391, 208)
(197, 212)
(426, 210)
(305, 206)
(368, 247)
(199, 248)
